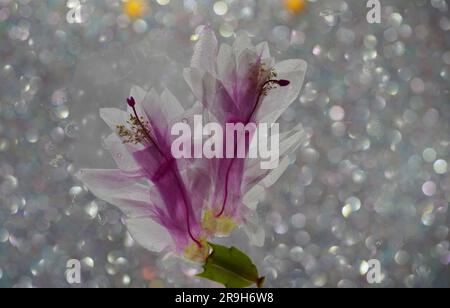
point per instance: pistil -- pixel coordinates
(132, 103)
(263, 91)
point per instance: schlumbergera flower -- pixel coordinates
(162, 197)
(242, 84)
(182, 204)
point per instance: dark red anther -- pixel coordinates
(283, 83)
(131, 102)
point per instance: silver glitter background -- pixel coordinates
(373, 184)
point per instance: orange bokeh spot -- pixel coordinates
(295, 6)
(135, 8)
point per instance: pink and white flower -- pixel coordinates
(243, 84)
(180, 204)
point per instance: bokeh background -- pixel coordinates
(374, 183)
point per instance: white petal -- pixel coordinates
(134, 200)
(205, 51)
(121, 153)
(254, 196)
(203, 85)
(289, 143)
(155, 109)
(171, 107)
(275, 174)
(293, 139)
(151, 102)
(149, 234)
(194, 79)
(245, 63)
(279, 99)
(113, 117)
(263, 51)
(196, 109)
(255, 231)
(225, 62)
(242, 43)
(138, 94)
(112, 186)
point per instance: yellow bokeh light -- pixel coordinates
(135, 8)
(295, 6)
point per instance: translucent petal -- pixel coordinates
(149, 234)
(121, 153)
(171, 107)
(279, 99)
(255, 195)
(225, 63)
(114, 117)
(289, 142)
(242, 42)
(194, 78)
(205, 51)
(255, 230)
(119, 189)
(263, 51)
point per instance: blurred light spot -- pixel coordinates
(440, 166)
(135, 8)
(163, 2)
(220, 8)
(295, 6)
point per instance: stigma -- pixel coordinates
(138, 129)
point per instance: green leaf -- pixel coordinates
(231, 267)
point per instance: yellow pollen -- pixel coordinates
(135, 8)
(295, 6)
(218, 226)
(195, 253)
